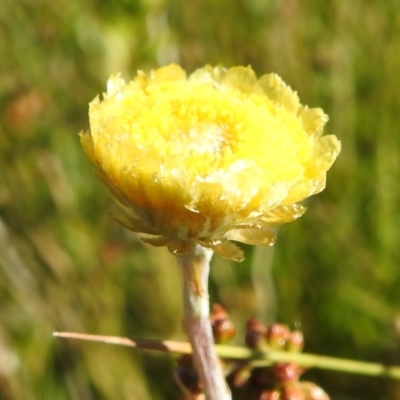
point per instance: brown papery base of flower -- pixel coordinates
(195, 268)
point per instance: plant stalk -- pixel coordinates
(195, 268)
(255, 358)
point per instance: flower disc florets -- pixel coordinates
(209, 158)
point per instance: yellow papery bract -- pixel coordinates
(216, 156)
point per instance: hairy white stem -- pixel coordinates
(195, 268)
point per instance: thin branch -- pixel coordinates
(149, 344)
(257, 358)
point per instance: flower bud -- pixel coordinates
(277, 336)
(286, 372)
(222, 327)
(186, 375)
(255, 334)
(295, 342)
(218, 312)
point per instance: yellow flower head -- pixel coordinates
(216, 156)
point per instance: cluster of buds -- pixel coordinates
(280, 381)
(276, 337)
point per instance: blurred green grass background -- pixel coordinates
(65, 266)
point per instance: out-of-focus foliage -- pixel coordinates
(65, 266)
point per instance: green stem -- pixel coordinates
(195, 268)
(309, 361)
(255, 358)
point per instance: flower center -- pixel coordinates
(205, 138)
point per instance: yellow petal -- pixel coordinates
(209, 75)
(228, 250)
(283, 214)
(243, 79)
(304, 189)
(115, 85)
(277, 90)
(314, 120)
(169, 73)
(325, 151)
(253, 236)
(157, 241)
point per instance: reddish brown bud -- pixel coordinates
(255, 334)
(295, 342)
(223, 329)
(277, 336)
(218, 312)
(186, 374)
(287, 372)
(270, 395)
